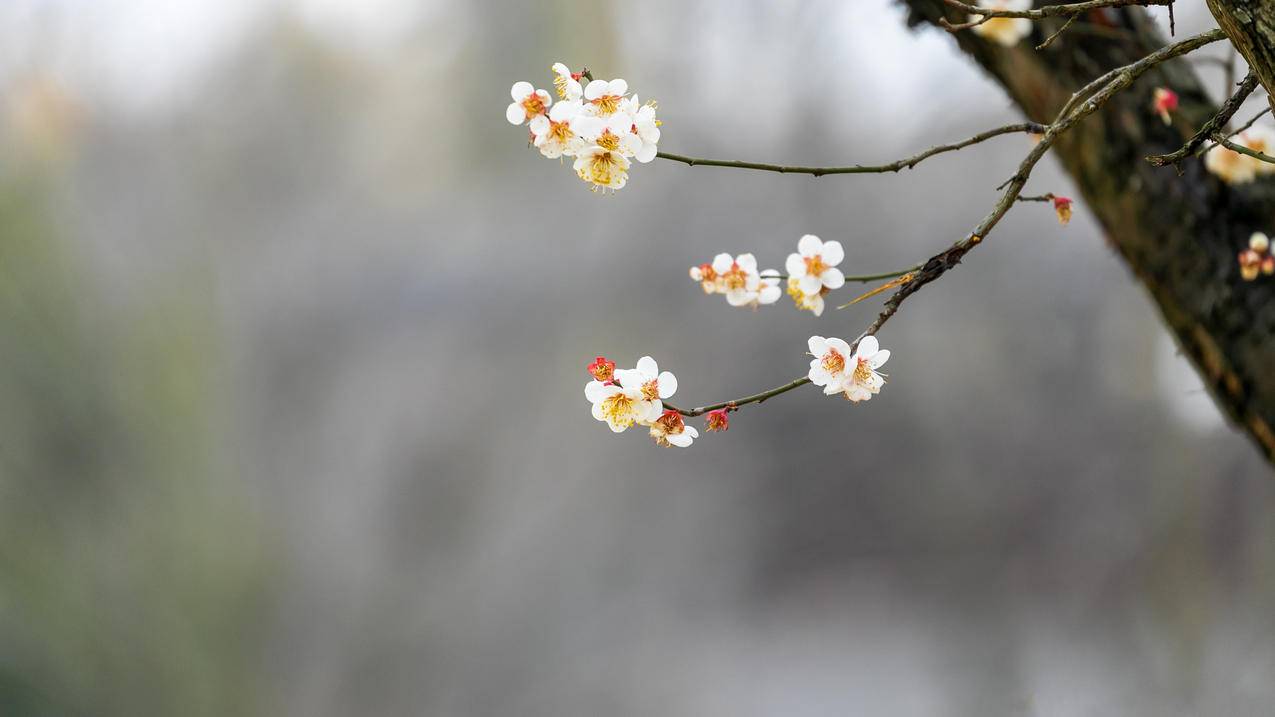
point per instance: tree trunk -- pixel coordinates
(1179, 234)
(1250, 24)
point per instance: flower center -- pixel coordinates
(833, 362)
(607, 104)
(618, 409)
(602, 169)
(815, 265)
(672, 422)
(560, 84)
(735, 278)
(651, 390)
(608, 141)
(533, 105)
(560, 131)
(862, 372)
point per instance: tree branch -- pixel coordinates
(906, 163)
(1068, 10)
(1215, 123)
(1116, 80)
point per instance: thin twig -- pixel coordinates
(1070, 9)
(1242, 149)
(906, 163)
(1212, 126)
(1049, 40)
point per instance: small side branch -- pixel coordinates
(1242, 149)
(1067, 10)
(906, 163)
(1215, 123)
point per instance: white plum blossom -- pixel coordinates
(603, 98)
(645, 126)
(566, 82)
(1005, 31)
(862, 381)
(601, 167)
(828, 367)
(808, 302)
(737, 277)
(814, 265)
(1235, 168)
(610, 133)
(837, 371)
(651, 384)
(530, 105)
(670, 430)
(559, 139)
(596, 122)
(617, 406)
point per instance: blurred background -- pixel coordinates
(293, 335)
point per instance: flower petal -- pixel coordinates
(748, 262)
(840, 345)
(818, 346)
(832, 253)
(515, 113)
(795, 266)
(879, 358)
(648, 368)
(810, 284)
(833, 278)
(520, 90)
(618, 87)
(869, 346)
(722, 262)
(668, 384)
(809, 245)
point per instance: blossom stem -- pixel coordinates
(861, 278)
(1242, 149)
(906, 163)
(755, 398)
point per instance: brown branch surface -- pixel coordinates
(1215, 123)
(905, 163)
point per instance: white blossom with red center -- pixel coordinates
(829, 365)
(603, 98)
(530, 105)
(566, 82)
(644, 125)
(558, 139)
(1007, 31)
(651, 384)
(861, 381)
(670, 430)
(814, 266)
(619, 407)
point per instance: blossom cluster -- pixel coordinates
(838, 370)
(812, 273)
(596, 122)
(1006, 31)
(1236, 168)
(623, 398)
(1257, 259)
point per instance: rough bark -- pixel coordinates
(1179, 234)
(1250, 24)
